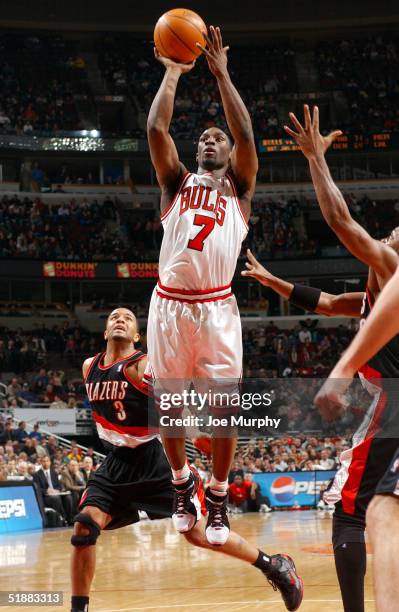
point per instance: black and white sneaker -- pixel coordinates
(186, 505)
(217, 528)
(283, 577)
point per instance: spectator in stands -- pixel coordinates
(40, 449)
(239, 493)
(36, 433)
(31, 471)
(236, 470)
(21, 434)
(29, 448)
(87, 468)
(51, 446)
(75, 452)
(90, 453)
(256, 501)
(13, 389)
(8, 434)
(50, 488)
(22, 471)
(58, 403)
(73, 481)
(41, 381)
(26, 396)
(326, 460)
(292, 466)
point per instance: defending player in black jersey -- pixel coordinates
(365, 463)
(383, 513)
(135, 474)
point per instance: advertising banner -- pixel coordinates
(139, 269)
(293, 489)
(69, 269)
(19, 510)
(57, 421)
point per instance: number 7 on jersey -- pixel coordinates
(208, 223)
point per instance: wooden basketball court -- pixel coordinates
(149, 567)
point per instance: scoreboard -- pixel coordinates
(346, 142)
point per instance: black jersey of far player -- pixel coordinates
(385, 363)
(119, 404)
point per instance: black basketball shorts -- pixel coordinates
(129, 480)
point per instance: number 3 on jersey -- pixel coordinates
(120, 410)
(207, 223)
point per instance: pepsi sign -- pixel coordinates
(19, 510)
(293, 488)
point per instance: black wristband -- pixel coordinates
(305, 297)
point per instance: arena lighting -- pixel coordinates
(94, 133)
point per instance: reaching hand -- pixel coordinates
(256, 270)
(215, 53)
(309, 139)
(168, 63)
(331, 400)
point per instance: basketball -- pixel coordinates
(176, 34)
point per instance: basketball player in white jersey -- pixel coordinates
(194, 329)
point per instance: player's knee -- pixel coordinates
(85, 530)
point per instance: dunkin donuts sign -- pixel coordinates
(69, 269)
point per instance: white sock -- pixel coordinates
(218, 487)
(180, 476)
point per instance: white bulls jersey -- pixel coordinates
(203, 231)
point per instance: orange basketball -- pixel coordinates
(176, 34)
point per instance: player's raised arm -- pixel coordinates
(308, 298)
(163, 151)
(374, 253)
(244, 160)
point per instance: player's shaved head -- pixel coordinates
(122, 325)
(122, 309)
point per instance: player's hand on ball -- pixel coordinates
(168, 63)
(215, 53)
(308, 137)
(256, 270)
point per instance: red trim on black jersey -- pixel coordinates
(358, 462)
(190, 292)
(124, 429)
(369, 373)
(106, 367)
(176, 299)
(90, 367)
(173, 202)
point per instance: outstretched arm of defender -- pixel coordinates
(373, 253)
(163, 150)
(244, 160)
(345, 304)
